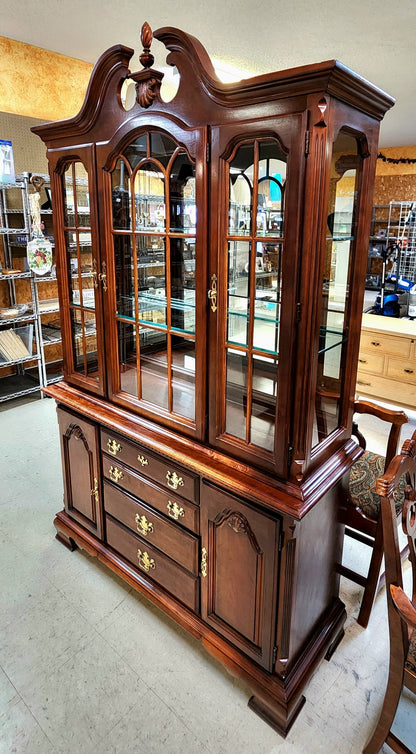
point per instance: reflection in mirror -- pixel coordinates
(238, 301)
(84, 342)
(149, 191)
(236, 393)
(127, 357)
(151, 279)
(136, 151)
(241, 191)
(183, 377)
(182, 276)
(182, 195)
(271, 188)
(154, 367)
(339, 249)
(120, 194)
(263, 402)
(123, 262)
(162, 147)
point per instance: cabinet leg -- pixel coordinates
(63, 537)
(332, 647)
(280, 720)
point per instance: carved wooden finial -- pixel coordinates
(146, 37)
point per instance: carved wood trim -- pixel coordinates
(238, 523)
(287, 599)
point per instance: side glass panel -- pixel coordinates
(155, 265)
(257, 176)
(81, 269)
(339, 248)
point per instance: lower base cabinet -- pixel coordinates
(257, 585)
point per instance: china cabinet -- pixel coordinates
(206, 410)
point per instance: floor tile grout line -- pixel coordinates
(21, 699)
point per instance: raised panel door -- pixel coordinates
(81, 471)
(239, 564)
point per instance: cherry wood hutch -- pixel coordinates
(211, 255)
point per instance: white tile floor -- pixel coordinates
(87, 665)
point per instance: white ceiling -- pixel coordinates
(376, 38)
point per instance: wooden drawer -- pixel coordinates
(173, 506)
(371, 362)
(160, 470)
(168, 537)
(385, 344)
(387, 389)
(151, 563)
(402, 369)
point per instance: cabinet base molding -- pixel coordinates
(277, 699)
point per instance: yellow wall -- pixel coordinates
(40, 84)
(387, 168)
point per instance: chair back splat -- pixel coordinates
(400, 475)
(360, 512)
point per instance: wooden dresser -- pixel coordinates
(211, 255)
(387, 360)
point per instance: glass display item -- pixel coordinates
(212, 254)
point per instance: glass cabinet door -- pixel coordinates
(154, 240)
(83, 277)
(255, 242)
(341, 234)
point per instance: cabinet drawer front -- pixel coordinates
(177, 509)
(160, 470)
(153, 564)
(168, 537)
(402, 369)
(386, 389)
(371, 362)
(390, 344)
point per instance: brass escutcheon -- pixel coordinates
(143, 460)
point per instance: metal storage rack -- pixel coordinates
(402, 227)
(27, 374)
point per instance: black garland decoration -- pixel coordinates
(396, 161)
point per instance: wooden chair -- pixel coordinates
(399, 477)
(361, 511)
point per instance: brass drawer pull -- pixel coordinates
(375, 343)
(113, 446)
(144, 527)
(174, 481)
(115, 474)
(409, 371)
(204, 562)
(145, 562)
(143, 460)
(174, 510)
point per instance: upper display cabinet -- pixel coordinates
(212, 250)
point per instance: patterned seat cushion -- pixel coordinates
(411, 655)
(363, 478)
